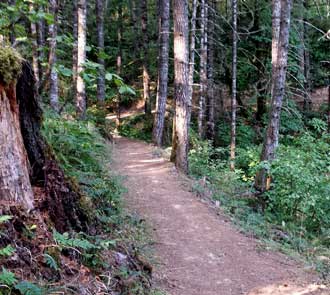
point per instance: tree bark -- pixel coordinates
(75, 47)
(181, 84)
(15, 186)
(41, 30)
(34, 41)
(81, 59)
(192, 53)
(145, 37)
(52, 58)
(100, 45)
(162, 84)
(280, 44)
(210, 106)
(234, 87)
(203, 69)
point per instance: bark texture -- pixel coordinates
(100, 45)
(53, 79)
(34, 41)
(203, 69)
(181, 84)
(81, 58)
(145, 38)
(162, 85)
(15, 186)
(280, 44)
(234, 87)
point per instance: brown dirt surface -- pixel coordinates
(200, 252)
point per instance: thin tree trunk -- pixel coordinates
(181, 84)
(203, 69)
(119, 56)
(41, 30)
(75, 47)
(234, 87)
(135, 25)
(15, 186)
(210, 106)
(162, 84)
(52, 58)
(80, 85)
(280, 44)
(145, 37)
(100, 45)
(192, 53)
(34, 41)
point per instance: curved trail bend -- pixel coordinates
(199, 253)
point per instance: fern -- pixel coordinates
(5, 218)
(7, 277)
(27, 288)
(7, 251)
(65, 241)
(50, 261)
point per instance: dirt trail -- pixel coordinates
(199, 252)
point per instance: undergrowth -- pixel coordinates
(110, 257)
(293, 215)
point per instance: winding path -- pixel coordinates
(199, 252)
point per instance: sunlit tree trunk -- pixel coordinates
(210, 106)
(145, 66)
(100, 45)
(81, 59)
(15, 186)
(234, 86)
(181, 83)
(119, 55)
(52, 58)
(203, 69)
(192, 52)
(164, 33)
(34, 41)
(280, 44)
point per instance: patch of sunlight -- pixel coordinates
(177, 206)
(288, 290)
(151, 161)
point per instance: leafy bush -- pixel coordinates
(138, 126)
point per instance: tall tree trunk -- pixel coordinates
(75, 48)
(41, 30)
(119, 55)
(181, 83)
(192, 53)
(15, 186)
(34, 41)
(12, 36)
(210, 106)
(52, 58)
(280, 44)
(135, 26)
(145, 37)
(234, 87)
(100, 45)
(203, 69)
(162, 86)
(81, 59)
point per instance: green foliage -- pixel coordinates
(65, 241)
(137, 126)
(27, 288)
(10, 65)
(50, 261)
(5, 218)
(7, 278)
(7, 251)
(83, 154)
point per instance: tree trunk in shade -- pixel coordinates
(280, 45)
(34, 41)
(181, 85)
(210, 105)
(162, 84)
(192, 52)
(52, 58)
(234, 87)
(203, 69)
(75, 47)
(81, 59)
(100, 45)
(145, 38)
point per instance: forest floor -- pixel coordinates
(198, 251)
